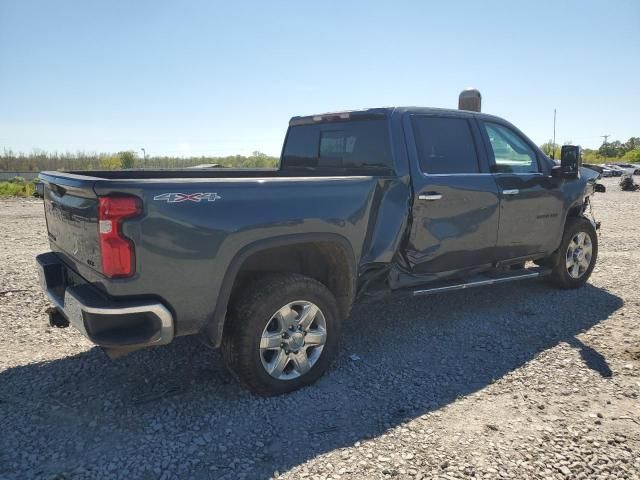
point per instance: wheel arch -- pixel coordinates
(575, 210)
(339, 274)
(559, 276)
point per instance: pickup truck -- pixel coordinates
(266, 264)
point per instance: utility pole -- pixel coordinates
(553, 154)
(144, 157)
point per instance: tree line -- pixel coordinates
(39, 161)
(609, 152)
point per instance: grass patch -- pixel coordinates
(17, 187)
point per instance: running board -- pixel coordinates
(482, 280)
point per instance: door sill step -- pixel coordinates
(481, 280)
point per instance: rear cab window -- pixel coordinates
(339, 147)
(445, 145)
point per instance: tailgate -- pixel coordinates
(71, 211)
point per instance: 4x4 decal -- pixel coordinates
(187, 197)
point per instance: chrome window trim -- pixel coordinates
(481, 173)
(520, 174)
(455, 174)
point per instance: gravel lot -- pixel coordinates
(514, 381)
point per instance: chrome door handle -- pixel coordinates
(513, 191)
(430, 196)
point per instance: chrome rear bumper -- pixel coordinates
(105, 321)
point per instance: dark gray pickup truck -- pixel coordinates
(267, 263)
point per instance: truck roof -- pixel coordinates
(381, 112)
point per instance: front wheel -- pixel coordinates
(283, 333)
(575, 259)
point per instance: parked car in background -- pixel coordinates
(629, 168)
(614, 170)
(607, 172)
(623, 170)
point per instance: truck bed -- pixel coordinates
(194, 222)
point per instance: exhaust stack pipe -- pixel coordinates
(470, 99)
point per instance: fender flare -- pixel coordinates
(215, 327)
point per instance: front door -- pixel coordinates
(531, 204)
(455, 208)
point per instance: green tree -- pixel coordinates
(260, 160)
(611, 149)
(632, 144)
(632, 156)
(127, 159)
(110, 162)
(548, 148)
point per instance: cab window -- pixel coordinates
(512, 154)
(350, 146)
(445, 145)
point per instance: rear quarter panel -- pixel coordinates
(184, 249)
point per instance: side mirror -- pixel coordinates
(570, 161)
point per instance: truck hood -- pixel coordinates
(589, 175)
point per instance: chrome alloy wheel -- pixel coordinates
(293, 340)
(579, 254)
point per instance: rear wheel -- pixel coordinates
(575, 259)
(283, 333)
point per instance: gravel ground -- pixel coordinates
(514, 381)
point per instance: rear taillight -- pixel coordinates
(117, 251)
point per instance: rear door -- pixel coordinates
(531, 204)
(455, 209)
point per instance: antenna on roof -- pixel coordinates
(553, 145)
(470, 99)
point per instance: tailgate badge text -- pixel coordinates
(187, 197)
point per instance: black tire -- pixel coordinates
(253, 309)
(560, 276)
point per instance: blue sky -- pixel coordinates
(214, 78)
